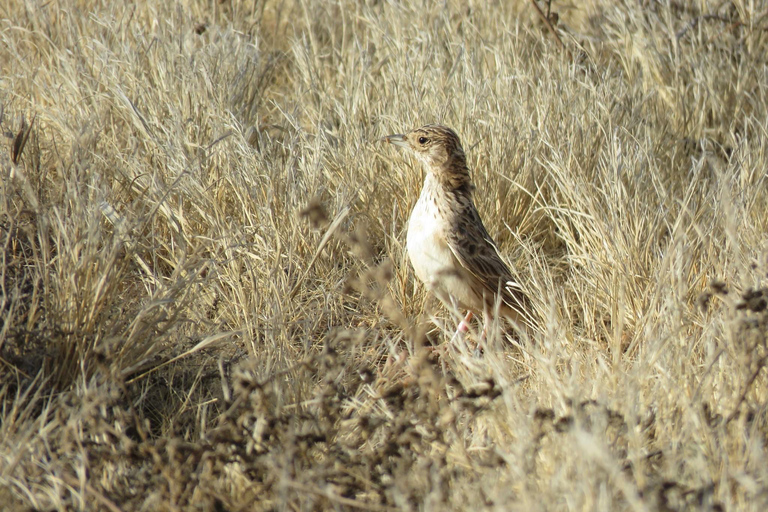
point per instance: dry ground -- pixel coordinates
(205, 299)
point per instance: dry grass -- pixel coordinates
(176, 334)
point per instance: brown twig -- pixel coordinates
(21, 139)
(742, 398)
(551, 27)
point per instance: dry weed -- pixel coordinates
(176, 335)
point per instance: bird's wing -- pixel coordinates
(475, 250)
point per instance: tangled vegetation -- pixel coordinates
(205, 300)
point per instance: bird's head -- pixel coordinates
(437, 147)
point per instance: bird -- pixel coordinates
(447, 243)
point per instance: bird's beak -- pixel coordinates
(398, 139)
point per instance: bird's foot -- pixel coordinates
(463, 327)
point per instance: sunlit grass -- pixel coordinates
(206, 300)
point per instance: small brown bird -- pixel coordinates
(448, 245)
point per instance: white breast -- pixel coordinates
(432, 259)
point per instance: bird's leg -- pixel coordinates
(463, 328)
(464, 324)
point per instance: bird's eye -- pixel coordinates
(423, 140)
